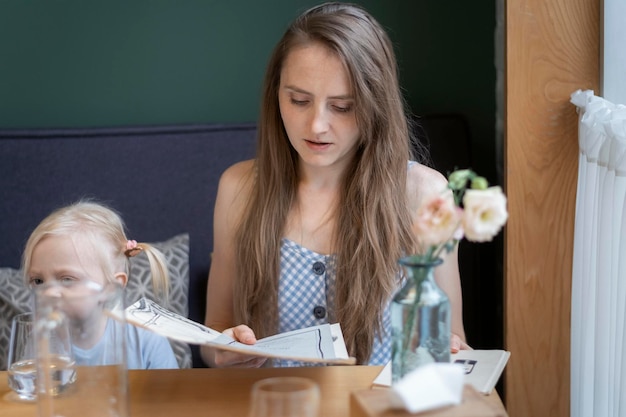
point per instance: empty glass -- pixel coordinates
(90, 317)
(285, 397)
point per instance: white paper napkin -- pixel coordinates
(430, 386)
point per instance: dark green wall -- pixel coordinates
(104, 63)
(101, 63)
(78, 63)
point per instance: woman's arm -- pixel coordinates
(232, 196)
(422, 182)
(448, 278)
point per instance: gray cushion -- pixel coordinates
(176, 251)
(15, 298)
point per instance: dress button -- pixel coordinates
(319, 312)
(319, 268)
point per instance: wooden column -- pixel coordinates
(552, 49)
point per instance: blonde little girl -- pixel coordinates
(83, 243)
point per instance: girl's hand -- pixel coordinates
(456, 344)
(227, 359)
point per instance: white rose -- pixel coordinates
(484, 213)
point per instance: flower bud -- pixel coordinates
(479, 183)
(458, 179)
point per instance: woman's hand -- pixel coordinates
(227, 359)
(456, 344)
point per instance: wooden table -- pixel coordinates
(220, 392)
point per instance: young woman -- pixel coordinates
(311, 230)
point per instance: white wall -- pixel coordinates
(613, 61)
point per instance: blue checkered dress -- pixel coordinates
(306, 297)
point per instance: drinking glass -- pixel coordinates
(284, 397)
(90, 317)
(22, 369)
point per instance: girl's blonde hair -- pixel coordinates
(103, 230)
(373, 224)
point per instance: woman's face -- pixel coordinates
(317, 107)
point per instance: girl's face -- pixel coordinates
(317, 107)
(58, 260)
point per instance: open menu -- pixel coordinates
(483, 368)
(317, 344)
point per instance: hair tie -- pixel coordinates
(132, 248)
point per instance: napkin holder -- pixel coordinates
(378, 402)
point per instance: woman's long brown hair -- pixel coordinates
(373, 225)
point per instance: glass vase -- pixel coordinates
(420, 318)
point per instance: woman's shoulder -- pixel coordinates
(423, 181)
(238, 177)
(239, 170)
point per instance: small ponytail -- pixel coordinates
(158, 265)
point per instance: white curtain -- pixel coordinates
(598, 327)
